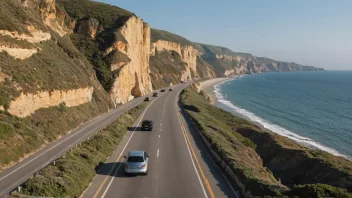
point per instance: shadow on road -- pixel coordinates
(110, 169)
(137, 129)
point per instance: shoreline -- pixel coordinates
(208, 87)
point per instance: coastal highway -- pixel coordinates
(179, 165)
(19, 173)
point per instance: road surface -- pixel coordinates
(179, 165)
(19, 173)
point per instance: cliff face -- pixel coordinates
(26, 104)
(47, 87)
(117, 43)
(133, 79)
(227, 62)
(187, 52)
(174, 58)
(252, 64)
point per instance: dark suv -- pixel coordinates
(155, 94)
(163, 90)
(147, 125)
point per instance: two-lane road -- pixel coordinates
(179, 165)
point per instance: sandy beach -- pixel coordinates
(208, 87)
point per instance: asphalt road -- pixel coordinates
(19, 173)
(179, 165)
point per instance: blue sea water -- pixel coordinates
(313, 108)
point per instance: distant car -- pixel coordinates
(170, 89)
(155, 94)
(163, 90)
(147, 99)
(137, 163)
(147, 125)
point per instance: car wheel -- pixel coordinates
(146, 172)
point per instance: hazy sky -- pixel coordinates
(310, 32)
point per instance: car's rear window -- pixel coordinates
(135, 159)
(147, 122)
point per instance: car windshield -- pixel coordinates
(147, 122)
(135, 159)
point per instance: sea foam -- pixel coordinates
(266, 124)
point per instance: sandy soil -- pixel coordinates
(208, 87)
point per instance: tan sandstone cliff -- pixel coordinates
(133, 79)
(187, 52)
(53, 17)
(26, 104)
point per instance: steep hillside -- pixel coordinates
(295, 164)
(207, 61)
(262, 162)
(163, 41)
(47, 87)
(229, 63)
(116, 42)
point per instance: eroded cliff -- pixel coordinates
(47, 87)
(133, 78)
(26, 104)
(227, 62)
(174, 58)
(187, 53)
(117, 43)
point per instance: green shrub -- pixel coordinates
(5, 131)
(73, 172)
(63, 107)
(219, 128)
(319, 191)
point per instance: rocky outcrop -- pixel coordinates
(35, 37)
(51, 15)
(16, 52)
(229, 58)
(28, 103)
(133, 78)
(187, 52)
(4, 77)
(88, 27)
(253, 64)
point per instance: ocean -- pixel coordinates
(312, 108)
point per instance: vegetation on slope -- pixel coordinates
(239, 142)
(106, 19)
(21, 136)
(166, 68)
(205, 70)
(13, 17)
(205, 48)
(238, 151)
(295, 164)
(168, 36)
(72, 174)
(58, 65)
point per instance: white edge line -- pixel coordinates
(157, 154)
(62, 141)
(227, 181)
(200, 181)
(112, 178)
